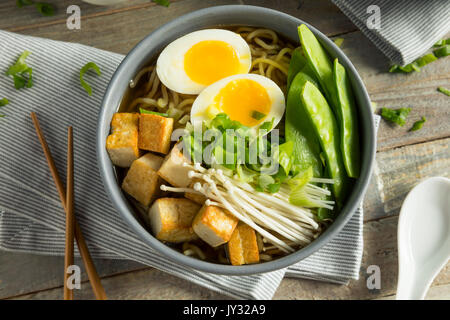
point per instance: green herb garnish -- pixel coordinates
(418, 124)
(442, 42)
(22, 74)
(268, 125)
(164, 3)
(46, 9)
(338, 41)
(397, 116)
(444, 91)
(22, 3)
(87, 66)
(442, 52)
(153, 112)
(4, 102)
(257, 115)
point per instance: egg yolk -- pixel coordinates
(211, 60)
(244, 100)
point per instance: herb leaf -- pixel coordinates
(397, 116)
(22, 74)
(442, 52)
(4, 102)
(338, 41)
(22, 3)
(257, 115)
(87, 66)
(164, 3)
(444, 91)
(46, 9)
(141, 110)
(418, 124)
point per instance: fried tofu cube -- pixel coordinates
(122, 143)
(243, 247)
(172, 169)
(155, 132)
(142, 181)
(214, 225)
(197, 198)
(171, 219)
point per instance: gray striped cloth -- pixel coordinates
(408, 28)
(31, 216)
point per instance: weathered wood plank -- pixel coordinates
(24, 273)
(417, 90)
(16, 19)
(121, 31)
(398, 170)
(322, 14)
(380, 249)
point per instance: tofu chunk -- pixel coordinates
(142, 181)
(214, 225)
(122, 143)
(155, 133)
(242, 247)
(171, 219)
(197, 198)
(172, 169)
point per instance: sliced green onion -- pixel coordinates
(257, 115)
(268, 125)
(397, 116)
(444, 91)
(4, 102)
(338, 41)
(87, 66)
(153, 112)
(442, 52)
(164, 3)
(418, 124)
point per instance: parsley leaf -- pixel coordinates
(21, 72)
(397, 116)
(87, 66)
(4, 102)
(418, 124)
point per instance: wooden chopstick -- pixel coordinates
(81, 243)
(68, 258)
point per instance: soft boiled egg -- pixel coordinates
(250, 99)
(198, 59)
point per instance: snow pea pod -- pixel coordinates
(327, 131)
(348, 122)
(296, 64)
(319, 62)
(299, 130)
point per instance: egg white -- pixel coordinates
(170, 63)
(200, 109)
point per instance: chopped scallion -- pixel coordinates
(153, 112)
(87, 66)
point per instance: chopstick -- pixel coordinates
(81, 243)
(68, 258)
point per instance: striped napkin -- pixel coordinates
(31, 216)
(407, 29)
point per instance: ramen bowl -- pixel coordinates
(226, 16)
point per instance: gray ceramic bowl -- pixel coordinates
(149, 48)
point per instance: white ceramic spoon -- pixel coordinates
(423, 237)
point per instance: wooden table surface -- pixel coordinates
(403, 158)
